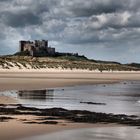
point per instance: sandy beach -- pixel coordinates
(69, 70)
(40, 80)
(14, 129)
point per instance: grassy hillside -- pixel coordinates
(64, 62)
(136, 65)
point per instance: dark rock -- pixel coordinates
(93, 103)
(4, 119)
(71, 115)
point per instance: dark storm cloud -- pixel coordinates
(93, 23)
(95, 7)
(5, 0)
(20, 19)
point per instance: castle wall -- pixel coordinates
(28, 47)
(41, 44)
(51, 51)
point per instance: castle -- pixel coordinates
(39, 48)
(36, 48)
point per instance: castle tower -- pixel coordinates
(21, 45)
(45, 43)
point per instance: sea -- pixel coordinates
(116, 98)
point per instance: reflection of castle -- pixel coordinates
(37, 48)
(36, 94)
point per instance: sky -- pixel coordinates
(98, 29)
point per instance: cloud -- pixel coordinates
(75, 25)
(20, 19)
(94, 7)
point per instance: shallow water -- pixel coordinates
(120, 98)
(98, 133)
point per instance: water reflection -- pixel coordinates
(97, 133)
(36, 94)
(119, 98)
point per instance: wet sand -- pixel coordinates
(96, 133)
(40, 80)
(7, 100)
(15, 129)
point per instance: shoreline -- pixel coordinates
(42, 80)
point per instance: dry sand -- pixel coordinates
(14, 129)
(39, 80)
